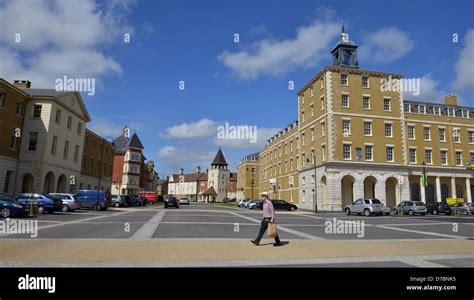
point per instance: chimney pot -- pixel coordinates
(451, 99)
(22, 84)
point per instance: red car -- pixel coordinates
(150, 196)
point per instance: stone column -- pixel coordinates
(380, 192)
(422, 191)
(453, 187)
(468, 191)
(438, 189)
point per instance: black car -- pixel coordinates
(438, 208)
(128, 200)
(171, 201)
(279, 205)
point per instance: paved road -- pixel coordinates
(200, 235)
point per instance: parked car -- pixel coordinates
(255, 204)
(471, 208)
(411, 208)
(11, 208)
(128, 200)
(171, 201)
(246, 204)
(388, 210)
(184, 200)
(243, 202)
(45, 204)
(118, 201)
(69, 202)
(137, 200)
(282, 205)
(462, 209)
(367, 207)
(439, 208)
(151, 197)
(91, 199)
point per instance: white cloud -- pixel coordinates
(105, 127)
(385, 45)
(277, 57)
(172, 158)
(60, 37)
(263, 134)
(465, 65)
(199, 129)
(429, 90)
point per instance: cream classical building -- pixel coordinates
(357, 137)
(52, 140)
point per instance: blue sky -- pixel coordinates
(243, 83)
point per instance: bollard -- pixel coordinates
(33, 209)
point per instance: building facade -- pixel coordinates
(97, 162)
(356, 136)
(12, 111)
(129, 175)
(279, 164)
(213, 185)
(248, 177)
(51, 141)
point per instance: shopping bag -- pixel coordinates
(271, 229)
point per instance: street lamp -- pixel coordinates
(315, 200)
(101, 164)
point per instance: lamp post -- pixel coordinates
(101, 164)
(315, 200)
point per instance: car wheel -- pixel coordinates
(117, 204)
(464, 212)
(292, 208)
(435, 212)
(367, 212)
(410, 212)
(347, 211)
(65, 208)
(5, 212)
(41, 210)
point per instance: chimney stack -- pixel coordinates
(451, 99)
(181, 171)
(22, 84)
(198, 169)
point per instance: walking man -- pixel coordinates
(268, 216)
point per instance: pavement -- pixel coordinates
(201, 235)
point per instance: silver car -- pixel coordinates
(367, 207)
(243, 202)
(184, 200)
(69, 202)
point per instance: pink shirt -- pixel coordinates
(268, 210)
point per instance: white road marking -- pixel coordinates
(422, 232)
(145, 232)
(282, 228)
(71, 222)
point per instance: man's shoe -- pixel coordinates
(277, 245)
(254, 242)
